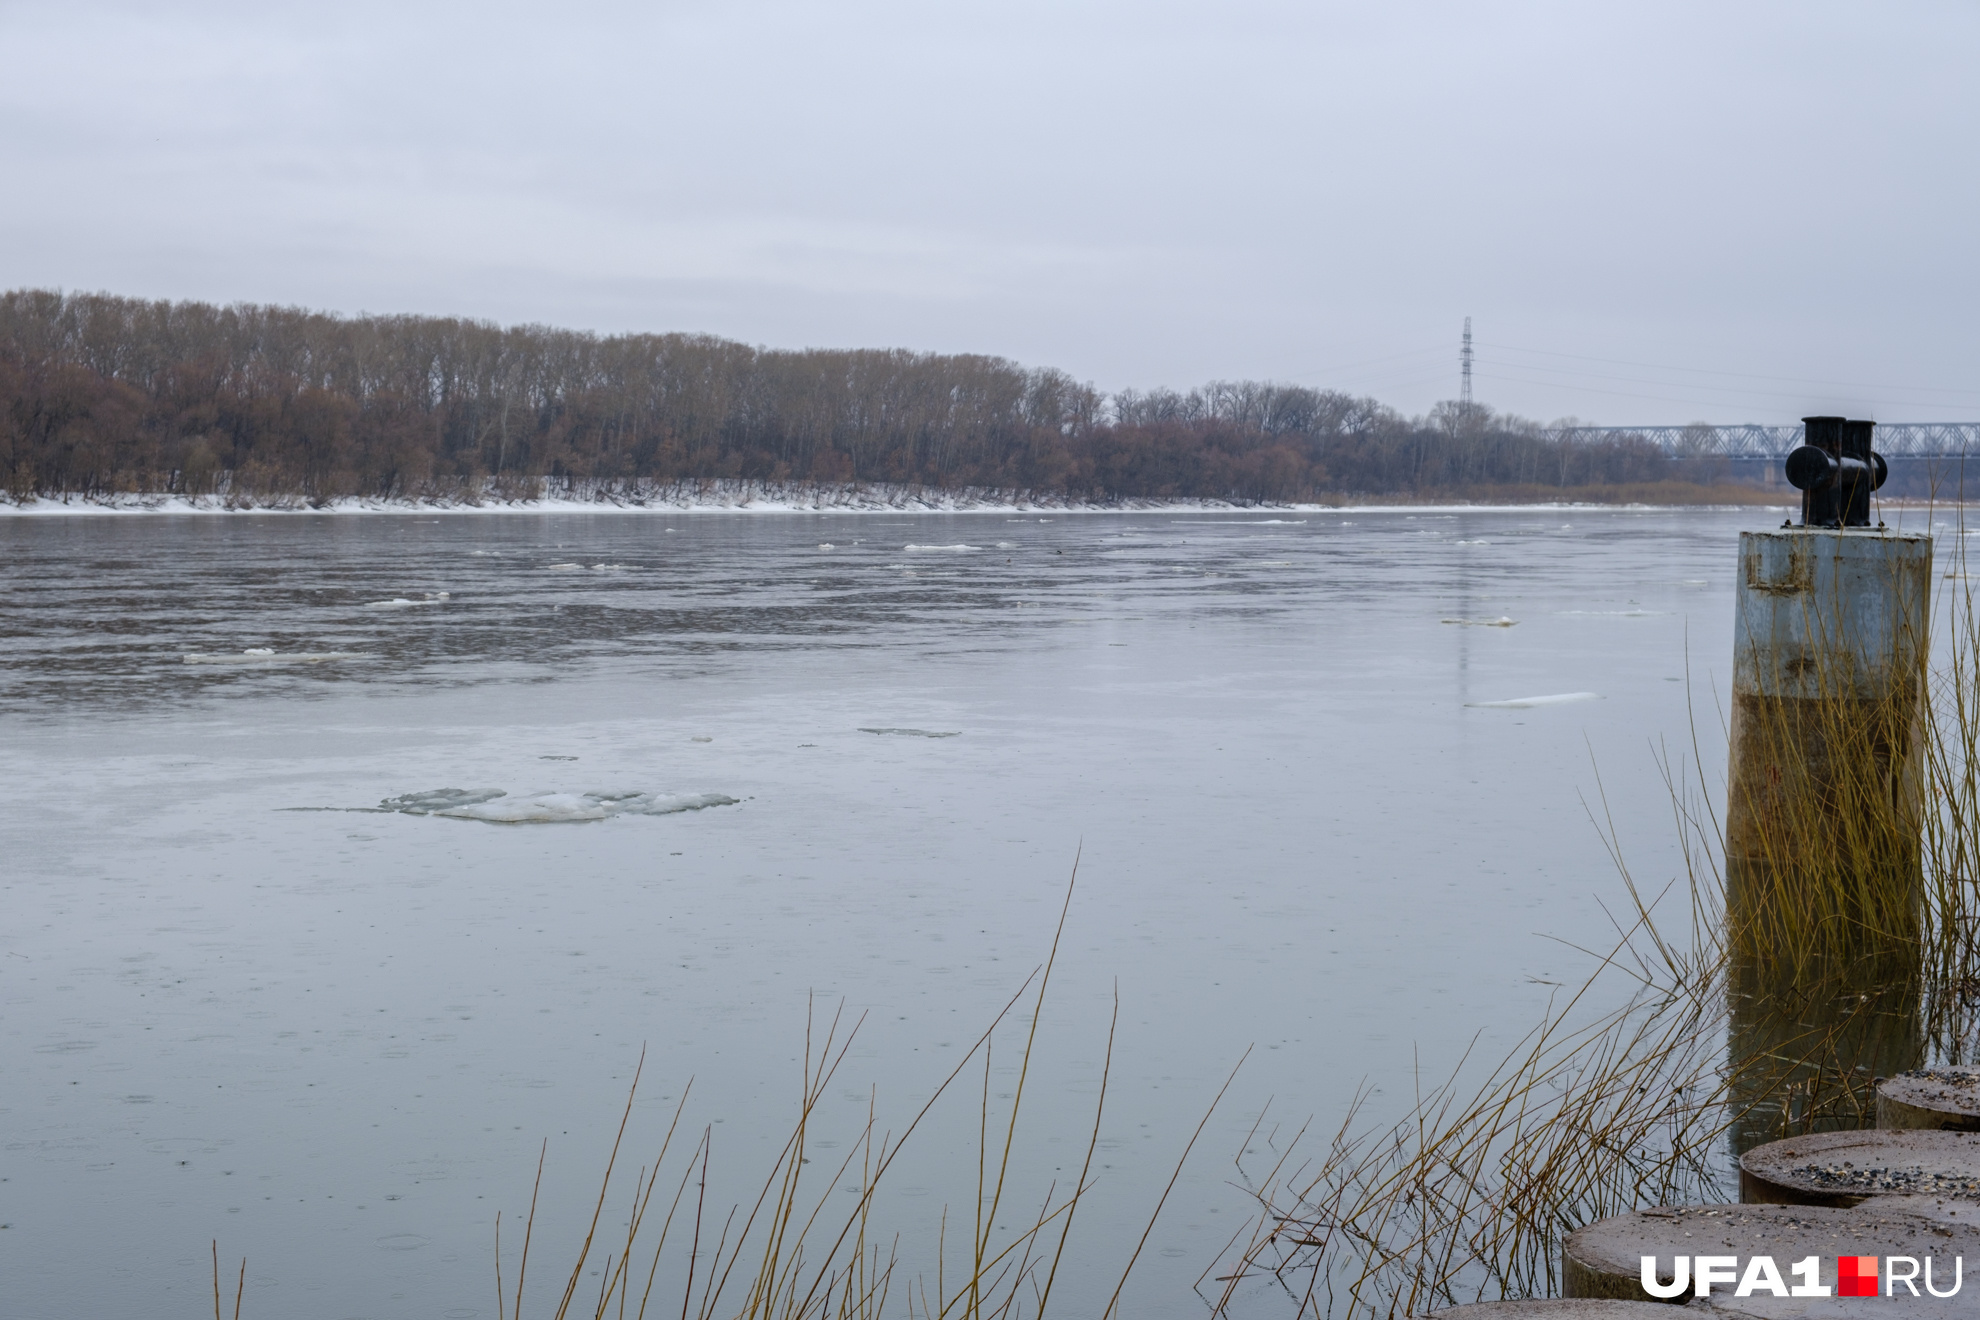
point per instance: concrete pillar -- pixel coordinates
(1822, 807)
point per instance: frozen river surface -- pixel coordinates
(745, 760)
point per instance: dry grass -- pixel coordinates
(240, 1284)
(789, 1256)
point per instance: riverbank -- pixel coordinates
(739, 496)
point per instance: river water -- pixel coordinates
(254, 987)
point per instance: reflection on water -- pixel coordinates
(258, 605)
(1806, 1056)
(106, 611)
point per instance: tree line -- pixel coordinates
(104, 395)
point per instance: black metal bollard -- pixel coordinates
(1835, 470)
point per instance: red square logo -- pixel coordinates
(1856, 1276)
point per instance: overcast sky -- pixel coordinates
(1654, 212)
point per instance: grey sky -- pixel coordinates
(1144, 194)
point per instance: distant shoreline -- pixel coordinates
(735, 496)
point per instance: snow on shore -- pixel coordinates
(724, 496)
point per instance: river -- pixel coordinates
(753, 767)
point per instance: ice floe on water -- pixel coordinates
(933, 549)
(268, 655)
(917, 733)
(1503, 621)
(402, 603)
(1615, 614)
(497, 807)
(1474, 543)
(1527, 703)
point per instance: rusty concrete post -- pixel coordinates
(1822, 804)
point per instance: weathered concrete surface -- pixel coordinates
(1949, 1209)
(1849, 1168)
(1833, 1308)
(1554, 1308)
(1605, 1259)
(1946, 1099)
(1831, 634)
(1804, 594)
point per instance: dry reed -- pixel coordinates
(1855, 955)
(240, 1284)
(792, 1258)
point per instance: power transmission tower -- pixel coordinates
(1464, 360)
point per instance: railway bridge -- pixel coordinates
(1754, 441)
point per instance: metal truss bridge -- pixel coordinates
(1892, 440)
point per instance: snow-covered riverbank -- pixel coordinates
(723, 496)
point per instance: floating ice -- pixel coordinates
(401, 603)
(1503, 621)
(1474, 543)
(1275, 563)
(266, 655)
(436, 800)
(913, 549)
(568, 568)
(1527, 703)
(1007, 545)
(554, 808)
(916, 733)
(827, 545)
(497, 807)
